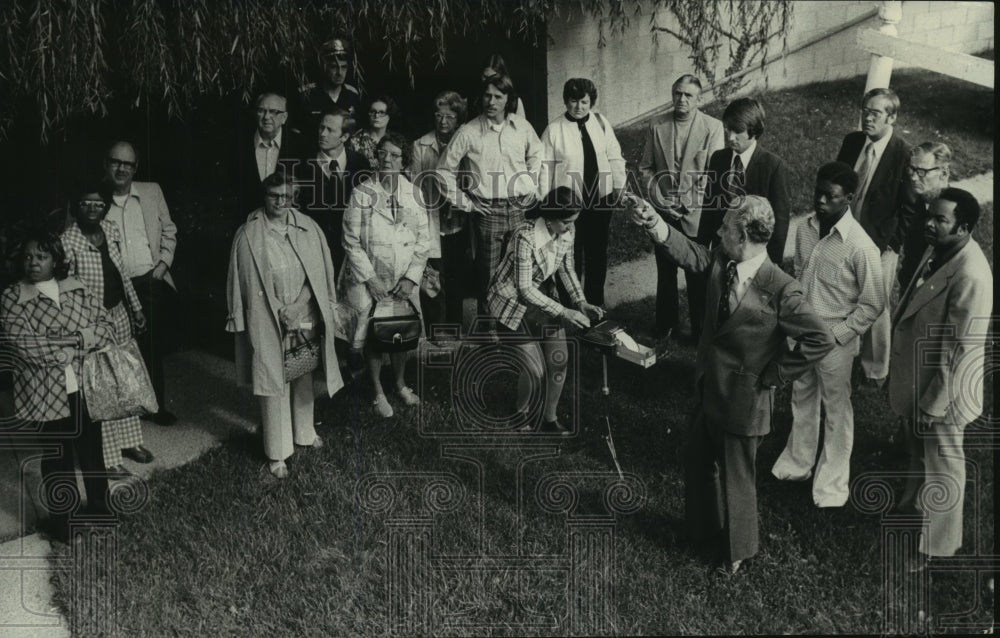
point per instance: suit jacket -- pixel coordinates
(325, 198)
(767, 175)
(939, 338)
(705, 138)
(160, 229)
(741, 358)
(886, 192)
(250, 195)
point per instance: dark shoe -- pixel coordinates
(139, 454)
(554, 427)
(119, 473)
(163, 417)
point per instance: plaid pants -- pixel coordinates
(120, 434)
(491, 230)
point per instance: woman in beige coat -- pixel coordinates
(280, 281)
(386, 240)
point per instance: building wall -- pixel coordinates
(633, 74)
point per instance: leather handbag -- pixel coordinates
(116, 383)
(397, 333)
(301, 353)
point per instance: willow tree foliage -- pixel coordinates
(61, 58)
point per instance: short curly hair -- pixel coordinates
(47, 242)
(397, 139)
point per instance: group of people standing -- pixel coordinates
(345, 222)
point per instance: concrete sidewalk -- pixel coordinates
(204, 395)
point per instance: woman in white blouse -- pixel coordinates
(582, 152)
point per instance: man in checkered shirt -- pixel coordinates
(841, 269)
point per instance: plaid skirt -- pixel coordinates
(124, 433)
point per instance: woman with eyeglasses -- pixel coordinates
(93, 247)
(523, 297)
(386, 239)
(281, 293)
(448, 231)
(52, 320)
(380, 113)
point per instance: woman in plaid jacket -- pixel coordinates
(47, 316)
(93, 252)
(523, 298)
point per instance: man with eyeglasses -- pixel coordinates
(879, 156)
(927, 173)
(327, 178)
(332, 91)
(149, 239)
(272, 145)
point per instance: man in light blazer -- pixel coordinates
(743, 168)
(743, 357)
(879, 157)
(936, 371)
(674, 159)
(149, 239)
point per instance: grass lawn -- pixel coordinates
(223, 549)
(805, 126)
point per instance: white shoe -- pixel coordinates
(408, 396)
(382, 407)
(317, 443)
(278, 469)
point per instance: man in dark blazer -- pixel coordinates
(743, 168)
(753, 308)
(271, 145)
(879, 157)
(327, 177)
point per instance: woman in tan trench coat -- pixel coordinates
(281, 280)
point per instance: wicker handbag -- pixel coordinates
(398, 333)
(301, 353)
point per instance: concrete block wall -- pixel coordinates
(633, 75)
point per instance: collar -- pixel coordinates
(485, 124)
(258, 140)
(583, 119)
(844, 226)
(340, 157)
(430, 140)
(747, 270)
(542, 234)
(127, 196)
(746, 155)
(294, 218)
(880, 145)
(29, 291)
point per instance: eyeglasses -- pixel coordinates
(278, 197)
(382, 154)
(118, 164)
(261, 112)
(920, 172)
(445, 117)
(873, 112)
(375, 113)
(92, 204)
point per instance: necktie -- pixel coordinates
(589, 162)
(737, 178)
(334, 167)
(728, 279)
(864, 177)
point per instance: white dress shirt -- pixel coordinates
(266, 153)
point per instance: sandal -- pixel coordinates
(382, 406)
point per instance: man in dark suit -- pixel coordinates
(272, 145)
(743, 168)
(743, 357)
(327, 178)
(879, 157)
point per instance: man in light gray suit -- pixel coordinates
(936, 370)
(678, 146)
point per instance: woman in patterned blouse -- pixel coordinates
(94, 254)
(380, 113)
(523, 298)
(51, 320)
